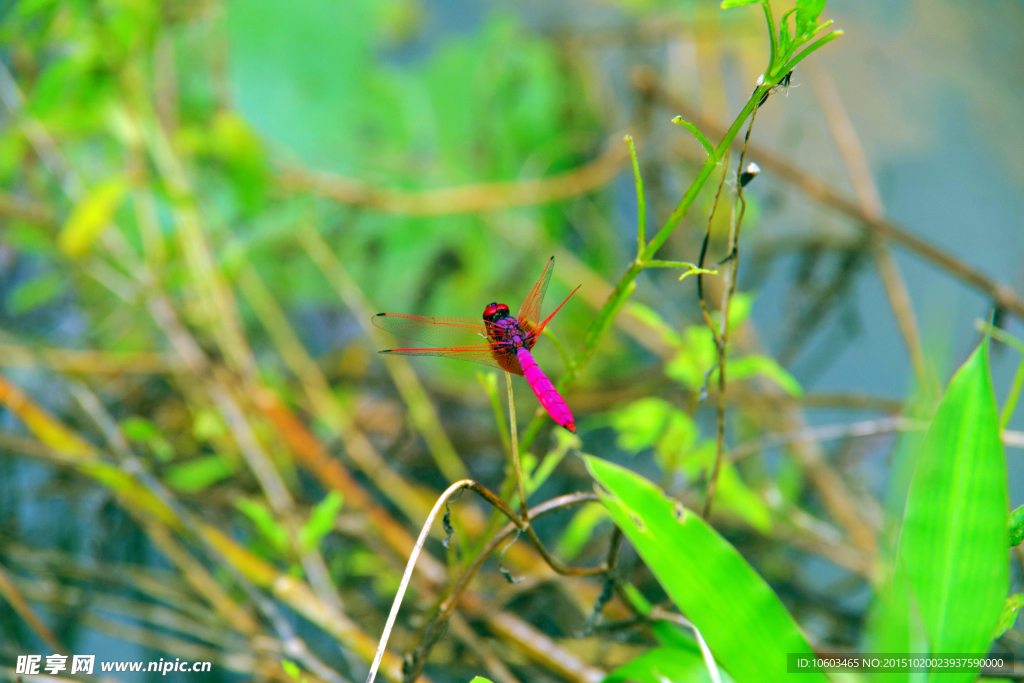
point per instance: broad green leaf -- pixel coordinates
(479, 679)
(91, 216)
(1017, 526)
(1009, 614)
(742, 620)
(198, 474)
(321, 520)
(750, 366)
(953, 541)
(36, 292)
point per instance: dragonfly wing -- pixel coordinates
(529, 312)
(484, 354)
(455, 332)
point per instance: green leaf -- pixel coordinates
(807, 13)
(750, 366)
(265, 522)
(479, 679)
(91, 216)
(661, 664)
(1017, 526)
(953, 541)
(742, 620)
(1009, 614)
(729, 4)
(579, 530)
(641, 423)
(290, 668)
(198, 474)
(321, 520)
(36, 292)
(653, 319)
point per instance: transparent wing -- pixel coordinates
(458, 332)
(486, 354)
(529, 312)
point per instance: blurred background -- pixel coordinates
(202, 203)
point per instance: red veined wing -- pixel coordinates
(478, 353)
(529, 312)
(457, 332)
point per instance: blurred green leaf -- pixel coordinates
(91, 216)
(265, 522)
(697, 357)
(741, 618)
(199, 474)
(641, 423)
(321, 520)
(1009, 613)
(291, 668)
(753, 365)
(729, 4)
(953, 541)
(580, 529)
(1017, 526)
(653, 319)
(37, 292)
(734, 495)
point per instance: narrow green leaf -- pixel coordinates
(729, 4)
(91, 215)
(198, 474)
(321, 520)
(580, 529)
(742, 620)
(953, 541)
(36, 292)
(750, 366)
(265, 522)
(290, 668)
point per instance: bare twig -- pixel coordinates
(466, 199)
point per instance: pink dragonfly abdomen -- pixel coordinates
(545, 390)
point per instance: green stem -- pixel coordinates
(641, 202)
(515, 450)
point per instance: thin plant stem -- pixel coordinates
(641, 202)
(1017, 384)
(515, 450)
(410, 565)
(722, 338)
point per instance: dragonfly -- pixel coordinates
(496, 339)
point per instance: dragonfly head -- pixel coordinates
(495, 312)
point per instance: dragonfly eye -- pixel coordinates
(495, 312)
